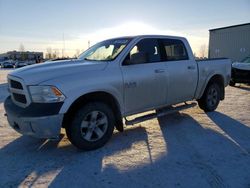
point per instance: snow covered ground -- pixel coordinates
(186, 149)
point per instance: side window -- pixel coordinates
(145, 51)
(175, 50)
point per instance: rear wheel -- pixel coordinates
(211, 98)
(91, 127)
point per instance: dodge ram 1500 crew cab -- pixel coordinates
(113, 79)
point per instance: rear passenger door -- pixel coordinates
(145, 80)
(181, 71)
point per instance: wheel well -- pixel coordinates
(95, 97)
(220, 81)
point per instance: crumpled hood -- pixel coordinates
(35, 74)
(241, 66)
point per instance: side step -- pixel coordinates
(160, 113)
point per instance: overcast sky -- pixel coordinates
(42, 24)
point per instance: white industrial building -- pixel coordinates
(231, 42)
(17, 55)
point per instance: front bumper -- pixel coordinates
(38, 120)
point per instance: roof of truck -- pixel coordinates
(150, 36)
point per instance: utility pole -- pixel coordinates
(63, 49)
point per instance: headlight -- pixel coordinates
(46, 94)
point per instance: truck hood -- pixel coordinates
(35, 74)
(241, 66)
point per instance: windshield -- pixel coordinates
(246, 60)
(107, 50)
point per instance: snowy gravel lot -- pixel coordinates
(186, 149)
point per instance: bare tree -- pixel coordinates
(203, 51)
(195, 56)
(77, 53)
(48, 53)
(21, 48)
(55, 54)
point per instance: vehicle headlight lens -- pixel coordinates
(46, 94)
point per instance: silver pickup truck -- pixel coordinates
(113, 79)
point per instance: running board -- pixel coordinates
(159, 113)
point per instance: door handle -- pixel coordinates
(159, 70)
(191, 67)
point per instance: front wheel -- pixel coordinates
(211, 98)
(92, 126)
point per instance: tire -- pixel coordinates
(91, 127)
(211, 98)
(232, 83)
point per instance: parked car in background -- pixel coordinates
(30, 62)
(240, 72)
(7, 64)
(20, 64)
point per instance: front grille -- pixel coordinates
(20, 98)
(18, 92)
(15, 84)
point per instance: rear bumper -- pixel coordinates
(31, 121)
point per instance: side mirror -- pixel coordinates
(137, 58)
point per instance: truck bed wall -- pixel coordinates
(209, 68)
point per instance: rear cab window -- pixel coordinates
(173, 50)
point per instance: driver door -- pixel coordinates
(145, 81)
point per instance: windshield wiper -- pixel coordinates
(96, 59)
(90, 59)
